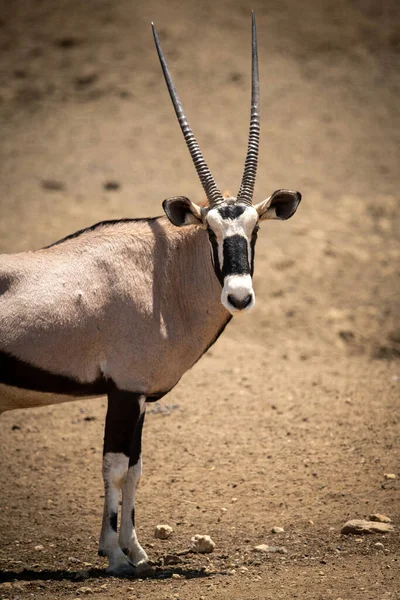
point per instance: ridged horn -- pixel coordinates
(245, 195)
(207, 181)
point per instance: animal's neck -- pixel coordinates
(191, 290)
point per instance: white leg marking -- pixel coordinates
(127, 536)
(115, 467)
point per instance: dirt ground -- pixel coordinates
(291, 419)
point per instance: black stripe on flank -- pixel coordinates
(235, 256)
(22, 375)
(114, 521)
(231, 211)
(99, 226)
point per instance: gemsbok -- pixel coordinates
(126, 307)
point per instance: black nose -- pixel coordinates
(239, 304)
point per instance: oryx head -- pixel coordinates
(231, 222)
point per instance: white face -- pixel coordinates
(232, 230)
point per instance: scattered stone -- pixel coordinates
(52, 185)
(171, 559)
(67, 42)
(72, 559)
(176, 576)
(379, 518)
(6, 586)
(87, 77)
(273, 549)
(346, 335)
(111, 186)
(389, 476)
(358, 526)
(386, 353)
(163, 532)
(379, 545)
(202, 544)
(395, 335)
(224, 510)
(85, 590)
(38, 548)
(277, 530)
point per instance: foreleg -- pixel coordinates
(123, 417)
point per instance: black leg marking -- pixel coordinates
(122, 418)
(136, 442)
(114, 521)
(133, 516)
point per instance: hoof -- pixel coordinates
(122, 570)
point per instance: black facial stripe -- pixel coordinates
(231, 212)
(253, 249)
(236, 261)
(214, 247)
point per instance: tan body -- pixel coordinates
(136, 302)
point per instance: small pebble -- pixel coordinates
(38, 547)
(52, 185)
(171, 559)
(176, 576)
(264, 548)
(202, 544)
(378, 517)
(163, 532)
(85, 590)
(111, 186)
(5, 586)
(389, 476)
(277, 530)
(379, 545)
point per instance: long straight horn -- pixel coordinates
(207, 181)
(245, 195)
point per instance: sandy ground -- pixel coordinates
(291, 419)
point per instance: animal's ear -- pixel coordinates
(182, 211)
(281, 205)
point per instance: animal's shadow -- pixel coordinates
(87, 574)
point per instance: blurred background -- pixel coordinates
(88, 133)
